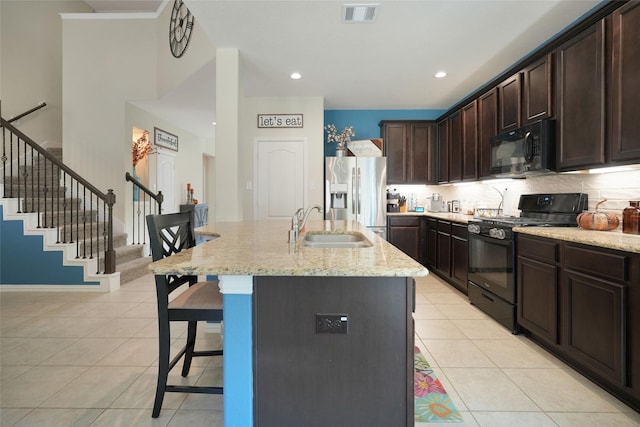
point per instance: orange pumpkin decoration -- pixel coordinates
(601, 221)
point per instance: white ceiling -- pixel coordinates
(387, 64)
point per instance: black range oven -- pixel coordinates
(492, 251)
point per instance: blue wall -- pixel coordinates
(365, 122)
(23, 261)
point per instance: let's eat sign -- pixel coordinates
(280, 120)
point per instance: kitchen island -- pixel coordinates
(312, 336)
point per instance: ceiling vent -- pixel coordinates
(359, 13)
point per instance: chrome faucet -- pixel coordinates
(298, 221)
(306, 215)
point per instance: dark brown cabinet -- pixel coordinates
(594, 312)
(455, 147)
(396, 149)
(443, 151)
(510, 105)
(487, 128)
(459, 256)
(443, 255)
(410, 150)
(537, 286)
(581, 100)
(407, 233)
(537, 90)
(582, 303)
(470, 141)
(450, 148)
(625, 95)
(446, 251)
(431, 242)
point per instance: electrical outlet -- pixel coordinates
(332, 323)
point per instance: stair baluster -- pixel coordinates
(40, 173)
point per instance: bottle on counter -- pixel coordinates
(631, 218)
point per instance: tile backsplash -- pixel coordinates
(617, 187)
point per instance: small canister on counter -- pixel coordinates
(631, 218)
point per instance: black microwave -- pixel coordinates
(524, 151)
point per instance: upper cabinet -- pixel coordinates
(598, 97)
(396, 149)
(527, 96)
(510, 106)
(470, 141)
(455, 147)
(487, 127)
(587, 80)
(625, 85)
(410, 150)
(537, 90)
(443, 150)
(581, 100)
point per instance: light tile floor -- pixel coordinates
(497, 379)
(87, 359)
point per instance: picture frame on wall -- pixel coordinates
(162, 138)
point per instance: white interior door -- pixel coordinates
(281, 178)
(166, 180)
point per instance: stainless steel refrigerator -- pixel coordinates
(355, 189)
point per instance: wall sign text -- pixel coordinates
(165, 139)
(280, 121)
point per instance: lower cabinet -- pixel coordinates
(594, 314)
(432, 242)
(407, 234)
(439, 245)
(447, 251)
(582, 302)
(443, 252)
(459, 256)
(537, 287)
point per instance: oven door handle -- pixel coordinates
(501, 242)
(485, 296)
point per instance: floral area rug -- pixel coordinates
(432, 403)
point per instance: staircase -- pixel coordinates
(58, 225)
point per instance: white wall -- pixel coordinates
(312, 109)
(171, 71)
(188, 158)
(31, 65)
(105, 64)
(108, 61)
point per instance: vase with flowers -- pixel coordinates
(341, 139)
(140, 149)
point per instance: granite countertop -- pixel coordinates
(447, 216)
(261, 248)
(614, 239)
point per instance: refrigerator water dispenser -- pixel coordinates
(338, 196)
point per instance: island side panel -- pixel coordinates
(311, 378)
(238, 356)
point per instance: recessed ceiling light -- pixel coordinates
(296, 76)
(213, 123)
(441, 74)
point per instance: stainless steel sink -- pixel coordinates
(350, 239)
